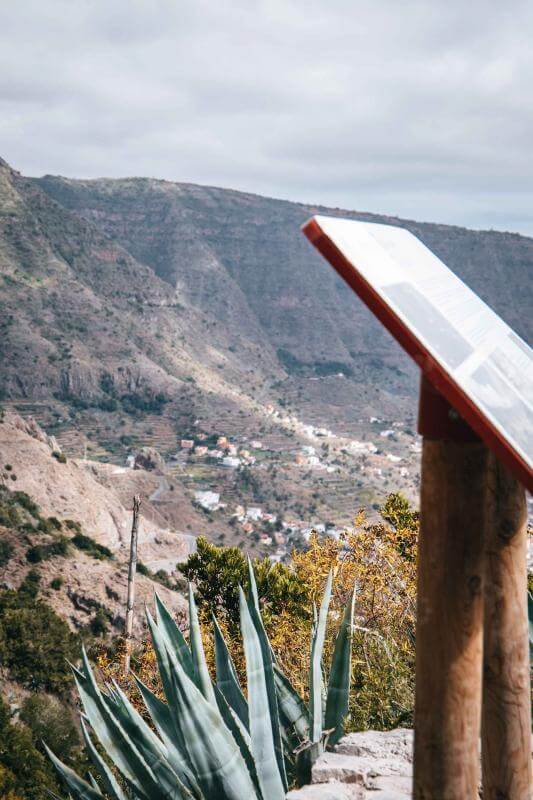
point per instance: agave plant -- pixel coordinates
(208, 741)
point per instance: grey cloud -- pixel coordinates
(418, 108)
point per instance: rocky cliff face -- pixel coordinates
(118, 289)
(243, 257)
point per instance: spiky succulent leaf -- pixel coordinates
(253, 593)
(269, 661)
(173, 636)
(214, 755)
(109, 781)
(164, 725)
(338, 695)
(263, 744)
(113, 738)
(227, 680)
(79, 789)
(203, 679)
(316, 681)
(152, 749)
(293, 712)
(240, 734)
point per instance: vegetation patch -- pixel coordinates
(92, 548)
(34, 642)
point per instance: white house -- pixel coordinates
(208, 500)
(229, 461)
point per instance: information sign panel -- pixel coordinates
(477, 362)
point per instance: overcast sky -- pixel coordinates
(421, 109)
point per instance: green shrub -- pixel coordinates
(24, 500)
(51, 721)
(219, 571)
(56, 583)
(42, 552)
(30, 585)
(34, 642)
(6, 551)
(99, 624)
(92, 548)
(61, 457)
(24, 771)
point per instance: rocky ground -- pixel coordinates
(371, 765)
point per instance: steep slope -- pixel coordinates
(86, 324)
(77, 491)
(243, 256)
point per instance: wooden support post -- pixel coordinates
(506, 730)
(450, 605)
(131, 582)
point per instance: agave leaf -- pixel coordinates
(240, 734)
(269, 661)
(109, 781)
(227, 680)
(162, 655)
(306, 756)
(316, 681)
(203, 679)
(338, 696)
(162, 719)
(253, 594)
(213, 754)
(259, 707)
(173, 636)
(116, 742)
(292, 708)
(152, 749)
(80, 789)
(93, 783)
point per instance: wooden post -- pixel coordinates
(506, 730)
(131, 582)
(449, 635)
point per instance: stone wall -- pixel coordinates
(371, 765)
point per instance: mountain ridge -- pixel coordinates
(142, 312)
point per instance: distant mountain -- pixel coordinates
(243, 257)
(185, 302)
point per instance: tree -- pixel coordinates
(218, 572)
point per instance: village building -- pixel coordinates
(222, 441)
(200, 450)
(254, 513)
(208, 500)
(228, 461)
(187, 444)
(256, 444)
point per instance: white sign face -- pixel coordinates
(483, 358)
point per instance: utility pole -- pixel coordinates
(131, 581)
